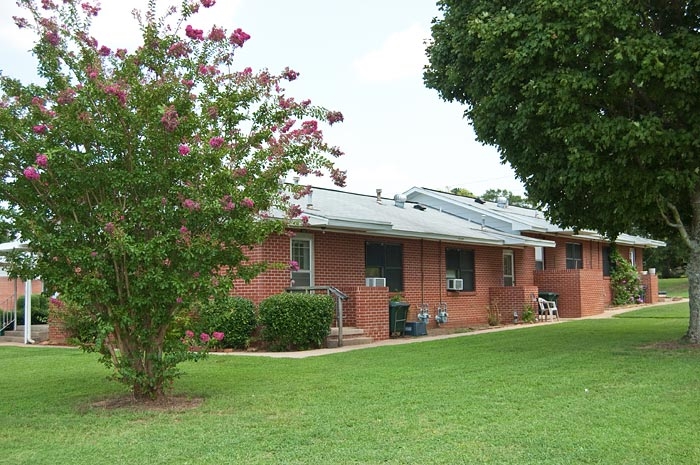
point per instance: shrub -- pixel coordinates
(296, 321)
(40, 310)
(83, 328)
(624, 281)
(233, 316)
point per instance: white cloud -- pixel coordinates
(401, 55)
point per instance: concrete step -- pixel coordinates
(40, 333)
(351, 337)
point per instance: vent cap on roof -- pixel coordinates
(399, 200)
(502, 202)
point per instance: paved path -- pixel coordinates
(405, 340)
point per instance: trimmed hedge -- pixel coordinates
(40, 309)
(292, 321)
(233, 316)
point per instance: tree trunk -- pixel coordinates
(693, 272)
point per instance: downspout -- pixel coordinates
(422, 273)
(28, 312)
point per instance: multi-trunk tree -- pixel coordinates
(140, 177)
(595, 104)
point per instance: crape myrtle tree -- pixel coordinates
(595, 104)
(140, 178)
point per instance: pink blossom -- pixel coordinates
(170, 119)
(309, 127)
(183, 149)
(117, 91)
(31, 173)
(293, 265)
(334, 117)
(179, 301)
(294, 211)
(188, 83)
(93, 254)
(20, 22)
(290, 74)
(56, 302)
(40, 129)
(240, 172)
(52, 37)
(179, 49)
(248, 71)
(247, 202)
(66, 96)
(48, 5)
(238, 37)
(304, 220)
(217, 34)
(192, 33)
(227, 203)
(109, 228)
(195, 274)
(339, 177)
(208, 3)
(190, 204)
(41, 160)
(104, 51)
(120, 53)
(305, 103)
(89, 9)
(218, 335)
(184, 230)
(216, 142)
(204, 337)
(189, 333)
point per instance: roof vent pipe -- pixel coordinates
(502, 202)
(399, 200)
(379, 196)
(296, 179)
(310, 200)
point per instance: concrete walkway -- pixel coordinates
(413, 340)
(405, 340)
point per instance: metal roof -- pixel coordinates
(343, 211)
(512, 219)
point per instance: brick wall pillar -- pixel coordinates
(57, 329)
(511, 299)
(651, 283)
(370, 306)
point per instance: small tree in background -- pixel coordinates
(140, 178)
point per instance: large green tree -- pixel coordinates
(140, 178)
(595, 104)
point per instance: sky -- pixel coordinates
(364, 58)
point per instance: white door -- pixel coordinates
(302, 252)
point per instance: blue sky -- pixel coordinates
(362, 57)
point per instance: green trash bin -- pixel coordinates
(398, 314)
(551, 296)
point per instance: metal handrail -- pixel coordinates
(339, 298)
(8, 317)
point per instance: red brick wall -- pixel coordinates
(651, 282)
(7, 291)
(339, 261)
(507, 300)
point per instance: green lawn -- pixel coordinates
(674, 287)
(583, 392)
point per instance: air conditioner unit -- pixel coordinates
(375, 282)
(455, 284)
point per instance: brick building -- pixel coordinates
(418, 244)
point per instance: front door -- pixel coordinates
(303, 254)
(508, 268)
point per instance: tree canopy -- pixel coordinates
(141, 178)
(595, 105)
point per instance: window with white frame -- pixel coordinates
(302, 254)
(539, 258)
(633, 257)
(508, 268)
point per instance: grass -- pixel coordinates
(583, 392)
(674, 287)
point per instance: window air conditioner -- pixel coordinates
(455, 284)
(375, 282)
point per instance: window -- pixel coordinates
(508, 268)
(460, 265)
(633, 257)
(539, 258)
(607, 266)
(574, 256)
(302, 253)
(385, 261)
